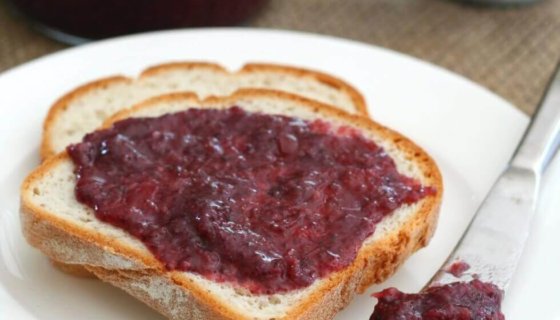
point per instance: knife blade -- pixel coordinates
(493, 242)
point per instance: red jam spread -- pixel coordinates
(458, 268)
(474, 300)
(270, 203)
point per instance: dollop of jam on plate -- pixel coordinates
(474, 300)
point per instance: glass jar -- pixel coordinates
(500, 2)
(80, 20)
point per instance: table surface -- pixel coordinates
(512, 51)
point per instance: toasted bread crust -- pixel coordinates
(324, 78)
(374, 262)
(76, 270)
(47, 149)
(182, 304)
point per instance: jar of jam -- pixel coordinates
(80, 20)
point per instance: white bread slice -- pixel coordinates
(85, 108)
(56, 223)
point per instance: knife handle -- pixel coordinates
(542, 137)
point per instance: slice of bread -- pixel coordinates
(66, 230)
(85, 108)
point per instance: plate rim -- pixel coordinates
(278, 32)
(511, 110)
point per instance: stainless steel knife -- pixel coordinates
(493, 243)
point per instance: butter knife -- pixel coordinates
(493, 242)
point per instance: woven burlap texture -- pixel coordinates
(512, 51)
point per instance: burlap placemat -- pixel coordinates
(511, 51)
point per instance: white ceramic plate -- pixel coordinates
(470, 132)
